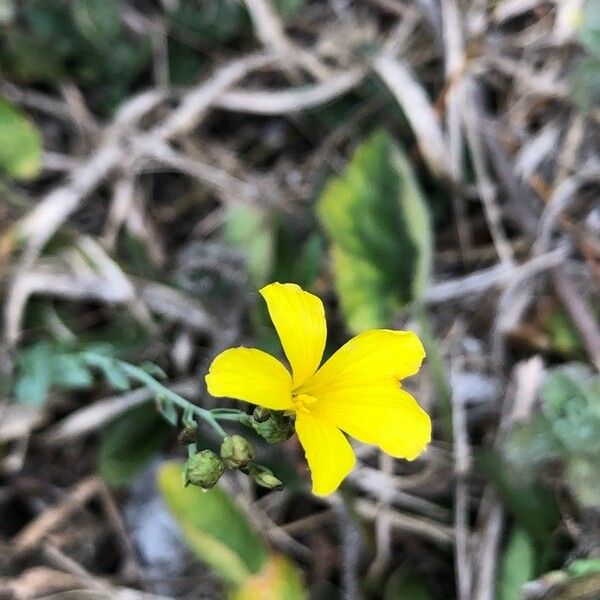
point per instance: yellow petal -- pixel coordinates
(328, 453)
(299, 319)
(384, 415)
(358, 390)
(251, 375)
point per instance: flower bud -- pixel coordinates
(260, 414)
(203, 469)
(237, 452)
(276, 429)
(264, 477)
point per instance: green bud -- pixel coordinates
(260, 414)
(237, 452)
(264, 477)
(203, 469)
(276, 429)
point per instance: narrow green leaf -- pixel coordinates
(214, 527)
(112, 372)
(517, 565)
(20, 143)
(129, 443)
(154, 370)
(34, 374)
(378, 223)
(168, 410)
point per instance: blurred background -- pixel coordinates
(421, 164)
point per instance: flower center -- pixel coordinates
(301, 402)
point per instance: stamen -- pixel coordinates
(302, 402)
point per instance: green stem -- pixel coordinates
(230, 417)
(138, 374)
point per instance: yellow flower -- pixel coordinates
(356, 391)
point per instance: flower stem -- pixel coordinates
(138, 374)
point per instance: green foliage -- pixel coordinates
(589, 33)
(46, 366)
(84, 39)
(222, 537)
(98, 21)
(517, 565)
(568, 428)
(405, 585)
(296, 260)
(214, 20)
(214, 527)
(101, 359)
(534, 509)
(377, 220)
(585, 79)
(562, 335)
(584, 566)
(129, 443)
(288, 8)
(249, 229)
(278, 580)
(20, 143)
(185, 64)
(272, 247)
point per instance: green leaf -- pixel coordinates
(288, 8)
(214, 527)
(130, 442)
(44, 366)
(20, 143)
(531, 504)
(584, 566)
(168, 410)
(111, 370)
(98, 21)
(248, 229)
(34, 374)
(378, 223)
(185, 64)
(585, 83)
(308, 264)
(297, 258)
(278, 580)
(571, 403)
(517, 565)
(531, 443)
(28, 58)
(154, 370)
(212, 20)
(405, 585)
(583, 476)
(70, 371)
(589, 33)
